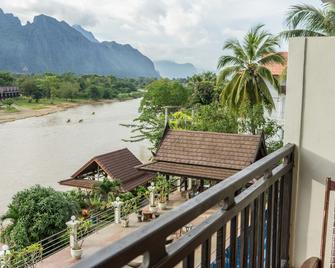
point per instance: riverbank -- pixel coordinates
(26, 110)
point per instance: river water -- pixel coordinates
(44, 150)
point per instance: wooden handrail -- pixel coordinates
(274, 183)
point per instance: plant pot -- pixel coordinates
(153, 209)
(76, 253)
(162, 206)
(124, 223)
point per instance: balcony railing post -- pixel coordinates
(156, 253)
(286, 213)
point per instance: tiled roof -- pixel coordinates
(202, 154)
(191, 171)
(80, 183)
(118, 165)
(277, 69)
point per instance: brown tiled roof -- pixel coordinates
(191, 171)
(277, 69)
(118, 165)
(79, 183)
(202, 154)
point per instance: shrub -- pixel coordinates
(37, 213)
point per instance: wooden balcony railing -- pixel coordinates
(251, 229)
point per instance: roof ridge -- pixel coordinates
(125, 148)
(215, 132)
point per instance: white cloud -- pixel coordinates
(181, 30)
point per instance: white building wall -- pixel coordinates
(310, 124)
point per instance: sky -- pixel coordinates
(180, 30)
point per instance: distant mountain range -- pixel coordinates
(49, 45)
(170, 69)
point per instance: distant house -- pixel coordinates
(117, 165)
(9, 92)
(279, 98)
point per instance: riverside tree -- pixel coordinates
(36, 213)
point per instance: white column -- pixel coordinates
(117, 210)
(189, 184)
(73, 225)
(152, 190)
(179, 184)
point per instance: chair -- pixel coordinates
(318, 262)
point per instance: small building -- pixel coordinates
(205, 155)
(117, 165)
(278, 70)
(9, 92)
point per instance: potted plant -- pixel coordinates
(77, 249)
(126, 209)
(163, 189)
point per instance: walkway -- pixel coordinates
(107, 236)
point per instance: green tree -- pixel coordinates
(28, 86)
(307, 20)
(204, 88)
(6, 79)
(158, 94)
(69, 90)
(37, 93)
(245, 65)
(48, 83)
(94, 93)
(162, 93)
(36, 213)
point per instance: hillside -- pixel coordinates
(49, 45)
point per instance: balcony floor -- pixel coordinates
(109, 235)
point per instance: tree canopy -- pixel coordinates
(36, 213)
(164, 92)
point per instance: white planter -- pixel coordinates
(153, 209)
(125, 222)
(162, 206)
(76, 253)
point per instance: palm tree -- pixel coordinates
(307, 20)
(245, 67)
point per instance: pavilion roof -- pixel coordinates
(208, 155)
(118, 164)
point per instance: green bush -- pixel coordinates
(37, 213)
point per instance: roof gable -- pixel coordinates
(119, 164)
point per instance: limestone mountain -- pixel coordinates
(49, 45)
(89, 35)
(170, 69)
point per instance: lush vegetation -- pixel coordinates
(307, 20)
(51, 88)
(235, 101)
(36, 213)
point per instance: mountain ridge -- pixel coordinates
(171, 69)
(49, 45)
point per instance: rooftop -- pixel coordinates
(118, 164)
(200, 154)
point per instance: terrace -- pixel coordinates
(275, 222)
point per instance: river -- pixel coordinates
(43, 150)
